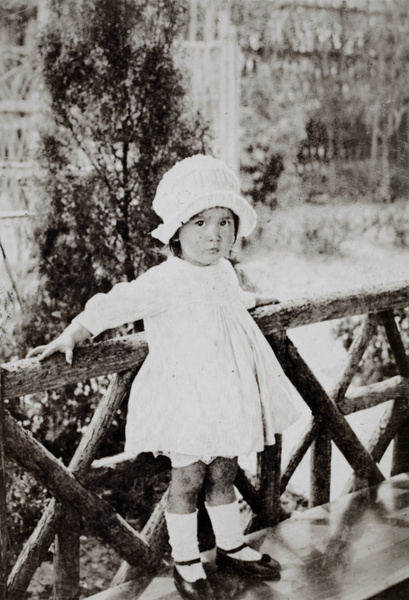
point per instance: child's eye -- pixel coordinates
(225, 222)
(199, 222)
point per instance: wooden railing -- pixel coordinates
(72, 486)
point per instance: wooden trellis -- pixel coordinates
(16, 78)
(19, 108)
(17, 139)
(142, 551)
(19, 116)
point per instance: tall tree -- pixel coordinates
(118, 119)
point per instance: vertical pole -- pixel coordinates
(223, 24)
(321, 449)
(270, 482)
(3, 513)
(193, 20)
(209, 21)
(400, 459)
(229, 100)
(233, 101)
(67, 557)
(321, 453)
(42, 13)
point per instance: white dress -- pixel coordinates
(210, 385)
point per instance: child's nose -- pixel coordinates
(214, 232)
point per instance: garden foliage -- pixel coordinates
(378, 362)
(118, 121)
(326, 87)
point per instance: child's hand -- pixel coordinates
(64, 343)
(263, 300)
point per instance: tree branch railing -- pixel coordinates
(72, 487)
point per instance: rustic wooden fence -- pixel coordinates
(142, 551)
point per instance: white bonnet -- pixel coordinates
(195, 184)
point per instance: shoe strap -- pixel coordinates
(187, 563)
(233, 550)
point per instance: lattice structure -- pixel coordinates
(19, 108)
(16, 79)
(19, 115)
(18, 138)
(209, 55)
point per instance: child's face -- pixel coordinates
(208, 236)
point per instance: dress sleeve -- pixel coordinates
(125, 303)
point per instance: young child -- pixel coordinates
(211, 388)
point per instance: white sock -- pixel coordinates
(228, 530)
(182, 530)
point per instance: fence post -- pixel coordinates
(270, 483)
(3, 512)
(320, 475)
(67, 556)
(321, 449)
(400, 460)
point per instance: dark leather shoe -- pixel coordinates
(196, 590)
(264, 568)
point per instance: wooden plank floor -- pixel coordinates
(352, 549)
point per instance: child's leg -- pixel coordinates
(223, 508)
(184, 488)
(181, 518)
(224, 514)
(221, 473)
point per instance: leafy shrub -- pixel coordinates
(25, 501)
(322, 229)
(378, 362)
(353, 180)
(309, 230)
(120, 121)
(322, 236)
(262, 170)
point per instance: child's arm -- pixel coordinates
(249, 299)
(65, 343)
